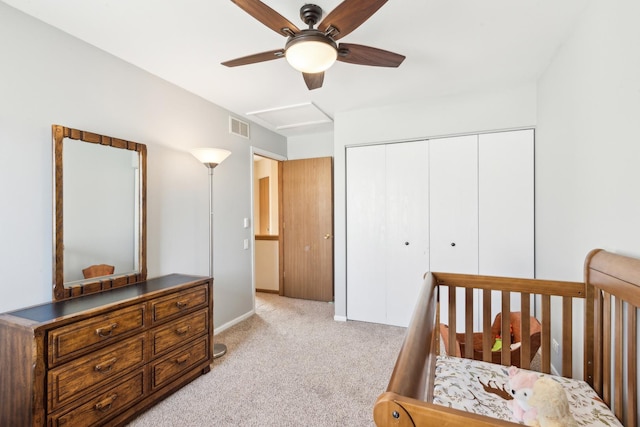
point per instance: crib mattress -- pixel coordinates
(479, 387)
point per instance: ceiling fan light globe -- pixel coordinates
(311, 56)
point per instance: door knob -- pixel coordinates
(327, 236)
(406, 243)
(453, 243)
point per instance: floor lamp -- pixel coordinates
(212, 157)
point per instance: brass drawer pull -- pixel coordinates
(183, 330)
(105, 405)
(106, 366)
(183, 359)
(182, 305)
(106, 332)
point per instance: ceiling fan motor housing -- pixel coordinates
(310, 14)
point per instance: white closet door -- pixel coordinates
(453, 177)
(407, 219)
(366, 233)
(506, 207)
(506, 204)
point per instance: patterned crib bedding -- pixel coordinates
(479, 387)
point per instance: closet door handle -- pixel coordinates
(453, 243)
(406, 243)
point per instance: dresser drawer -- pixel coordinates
(168, 368)
(181, 302)
(67, 381)
(74, 339)
(104, 405)
(179, 331)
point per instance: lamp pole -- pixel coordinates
(212, 157)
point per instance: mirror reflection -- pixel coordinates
(99, 212)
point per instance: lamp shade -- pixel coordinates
(210, 157)
(311, 52)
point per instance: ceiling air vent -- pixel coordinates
(238, 127)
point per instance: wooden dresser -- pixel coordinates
(104, 358)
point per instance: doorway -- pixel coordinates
(293, 226)
(266, 221)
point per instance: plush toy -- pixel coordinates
(550, 401)
(520, 386)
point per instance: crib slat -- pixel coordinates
(505, 328)
(618, 363)
(598, 343)
(468, 323)
(525, 330)
(632, 366)
(487, 339)
(567, 337)
(606, 346)
(545, 339)
(452, 321)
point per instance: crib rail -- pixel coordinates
(542, 290)
(407, 401)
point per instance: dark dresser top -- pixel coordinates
(50, 311)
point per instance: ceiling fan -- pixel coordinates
(313, 50)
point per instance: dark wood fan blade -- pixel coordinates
(313, 80)
(365, 55)
(256, 57)
(267, 16)
(349, 15)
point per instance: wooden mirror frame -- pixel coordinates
(98, 284)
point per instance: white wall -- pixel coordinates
(507, 109)
(588, 145)
(49, 77)
(310, 146)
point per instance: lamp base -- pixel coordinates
(219, 350)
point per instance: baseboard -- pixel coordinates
(233, 322)
(268, 291)
(340, 318)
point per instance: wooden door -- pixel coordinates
(307, 228)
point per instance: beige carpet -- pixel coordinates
(290, 364)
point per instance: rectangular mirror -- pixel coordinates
(99, 212)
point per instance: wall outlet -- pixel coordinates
(555, 346)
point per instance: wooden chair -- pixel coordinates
(515, 319)
(97, 270)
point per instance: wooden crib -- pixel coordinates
(604, 306)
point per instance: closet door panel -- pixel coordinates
(453, 215)
(407, 213)
(506, 208)
(506, 194)
(453, 187)
(366, 231)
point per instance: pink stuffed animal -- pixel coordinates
(520, 386)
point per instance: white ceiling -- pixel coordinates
(452, 47)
